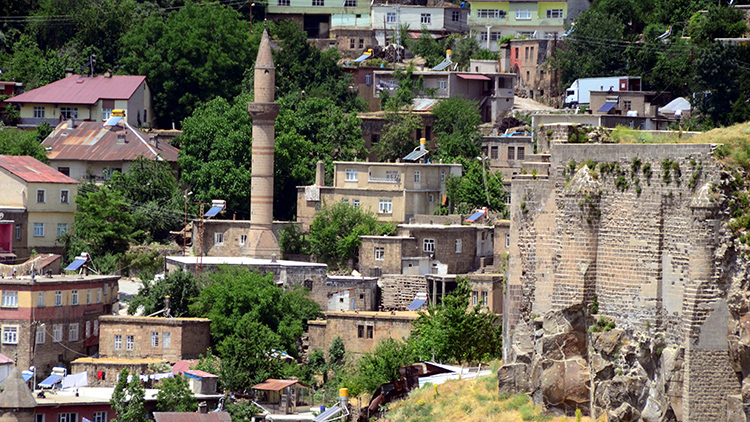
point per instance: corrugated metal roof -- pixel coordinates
(276, 385)
(32, 170)
(192, 417)
(424, 104)
(82, 89)
(182, 365)
(90, 141)
(199, 374)
(4, 360)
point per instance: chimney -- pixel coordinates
(422, 144)
(320, 174)
(68, 71)
(166, 305)
(202, 407)
(71, 123)
(121, 138)
(448, 55)
(154, 140)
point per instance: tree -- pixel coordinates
(250, 316)
(380, 366)
(467, 192)
(215, 152)
(718, 22)
(190, 57)
(456, 128)
(175, 395)
(335, 231)
(398, 135)
(243, 411)
(453, 332)
(20, 142)
(181, 287)
(128, 399)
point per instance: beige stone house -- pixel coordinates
(393, 191)
(361, 331)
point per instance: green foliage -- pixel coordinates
(21, 142)
(243, 410)
(208, 363)
(380, 366)
(397, 139)
(215, 152)
(467, 192)
(717, 22)
(336, 351)
(429, 48)
(191, 56)
(595, 305)
(175, 395)
(292, 241)
(128, 399)
(250, 316)
(602, 325)
(449, 333)
(456, 128)
(335, 231)
(180, 286)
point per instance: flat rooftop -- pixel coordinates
(93, 396)
(57, 279)
(241, 260)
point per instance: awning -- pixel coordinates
(362, 58)
(50, 381)
(609, 105)
(328, 414)
(213, 211)
(27, 375)
(113, 121)
(416, 305)
(474, 217)
(473, 76)
(75, 265)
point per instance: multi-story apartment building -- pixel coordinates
(436, 16)
(394, 191)
(47, 321)
(37, 206)
(491, 20)
(526, 58)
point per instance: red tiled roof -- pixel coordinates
(276, 385)
(31, 170)
(182, 365)
(91, 141)
(82, 89)
(192, 417)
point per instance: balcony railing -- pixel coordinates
(374, 179)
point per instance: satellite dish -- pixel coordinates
(2, 215)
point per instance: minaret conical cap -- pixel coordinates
(265, 58)
(15, 394)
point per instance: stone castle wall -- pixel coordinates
(636, 230)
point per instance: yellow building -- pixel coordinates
(37, 206)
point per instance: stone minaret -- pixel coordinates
(262, 241)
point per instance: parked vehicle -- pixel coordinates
(579, 92)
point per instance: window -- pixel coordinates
(19, 230)
(41, 196)
(368, 79)
(58, 298)
(98, 295)
(40, 300)
(38, 112)
(627, 105)
(284, 3)
(88, 296)
(521, 153)
(219, 238)
(360, 331)
(318, 2)
(96, 327)
(474, 297)
(350, 3)
(106, 289)
(432, 199)
(529, 34)
(118, 342)
(166, 340)
(352, 42)
(385, 206)
(375, 138)
(494, 152)
(484, 298)
(392, 176)
(88, 329)
(129, 342)
(361, 43)
(426, 18)
(491, 14)
(100, 416)
(64, 196)
(10, 334)
(459, 245)
(67, 417)
(40, 335)
(555, 14)
(494, 36)
(64, 170)
(390, 18)
(351, 175)
(10, 299)
(370, 331)
(69, 112)
(442, 176)
(57, 331)
(511, 153)
(38, 229)
(455, 16)
(74, 297)
(345, 201)
(73, 332)
(106, 114)
(39, 417)
(523, 14)
(442, 84)
(243, 239)
(154, 339)
(379, 253)
(428, 245)
(416, 177)
(507, 240)
(62, 228)
(355, 203)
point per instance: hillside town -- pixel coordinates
(402, 210)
